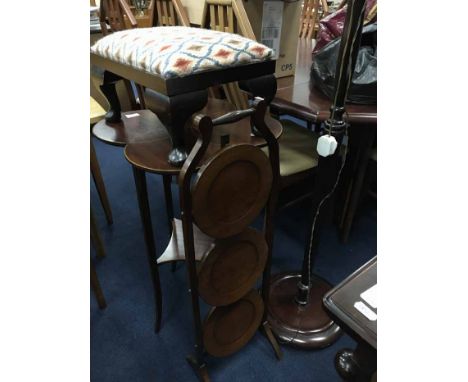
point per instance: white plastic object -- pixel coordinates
(326, 145)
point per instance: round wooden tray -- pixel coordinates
(152, 155)
(231, 268)
(136, 126)
(228, 328)
(231, 190)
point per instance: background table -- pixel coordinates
(361, 363)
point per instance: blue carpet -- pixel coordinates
(124, 346)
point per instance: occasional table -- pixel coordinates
(353, 305)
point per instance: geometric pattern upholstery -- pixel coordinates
(180, 51)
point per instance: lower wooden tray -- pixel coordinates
(229, 328)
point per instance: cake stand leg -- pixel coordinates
(200, 369)
(274, 343)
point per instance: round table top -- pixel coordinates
(151, 155)
(136, 126)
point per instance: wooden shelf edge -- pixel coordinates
(175, 250)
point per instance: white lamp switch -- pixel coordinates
(326, 145)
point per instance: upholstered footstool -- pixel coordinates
(180, 64)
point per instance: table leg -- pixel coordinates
(169, 207)
(357, 183)
(96, 287)
(145, 214)
(99, 182)
(96, 238)
(358, 365)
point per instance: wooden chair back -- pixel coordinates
(229, 16)
(312, 12)
(170, 13)
(113, 12)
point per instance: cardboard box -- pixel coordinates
(194, 10)
(264, 16)
(261, 16)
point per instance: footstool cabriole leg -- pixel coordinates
(108, 89)
(177, 110)
(145, 214)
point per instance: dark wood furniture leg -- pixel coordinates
(96, 287)
(200, 369)
(356, 188)
(145, 214)
(264, 87)
(99, 182)
(169, 207)
(266, 328)
(269, 222)
(96, 238)
(174, 112)
(108, 89)
(356, 365)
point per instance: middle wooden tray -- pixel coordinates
(232, 267)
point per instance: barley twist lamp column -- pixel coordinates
(295, 311)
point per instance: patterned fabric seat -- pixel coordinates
(180, 51)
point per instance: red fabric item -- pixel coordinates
(331, 26)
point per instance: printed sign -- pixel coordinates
(272, 21)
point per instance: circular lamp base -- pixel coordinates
(305, 326)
